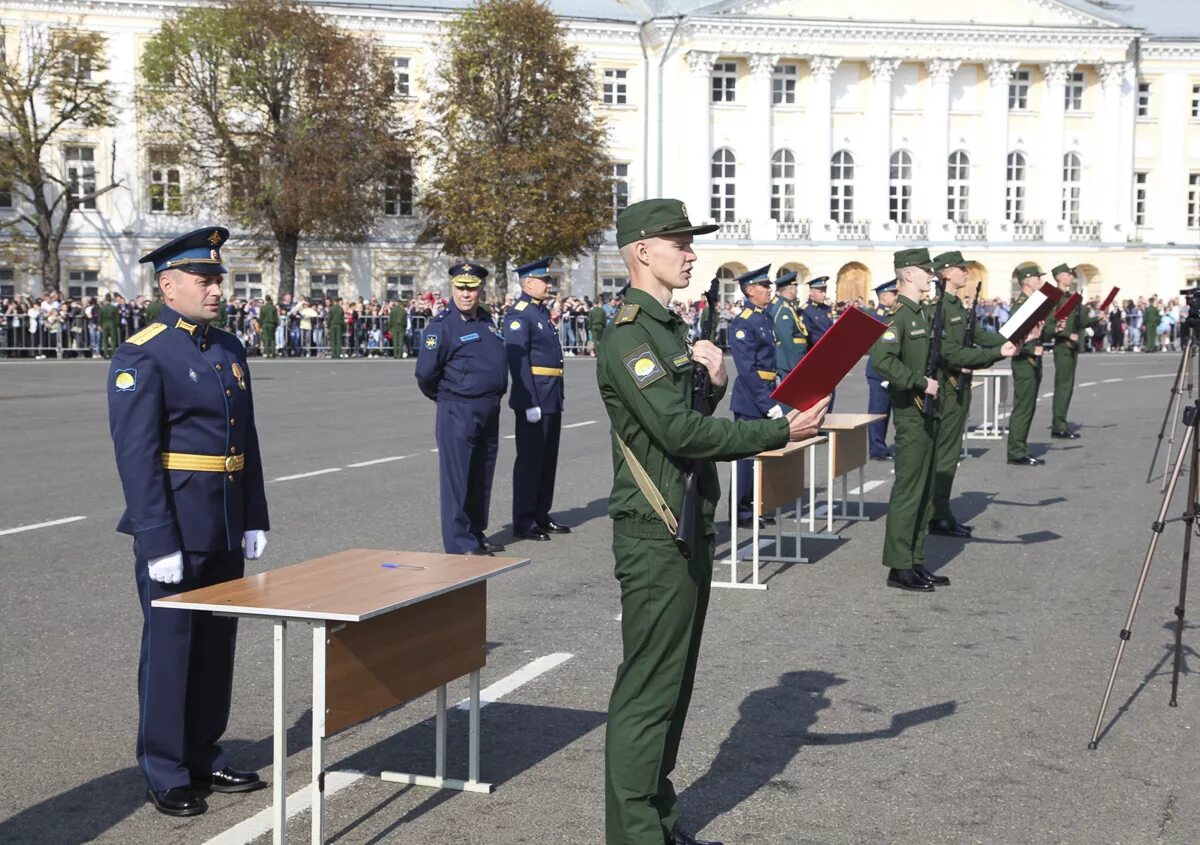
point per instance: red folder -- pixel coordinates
(827, 363)
(1067, 307)
(1112, 294)
(1036, 308)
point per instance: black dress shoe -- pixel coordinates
(1064, 435)
(534, 534)
(479, 552)
(553, 527)
(491, 547)
(907, 579)
(229, 780)
(1027, 461)
(887, 457)
(962, 526)
(946, 528)
(930, 578)
(763, 522)
(681, 837)
(177, 801)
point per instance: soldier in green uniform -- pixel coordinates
(956, 358)
(644, 372)
(268, 321)
(900, 357)
(597, 321)
(1151, 321)
(1067, 343)
(1026, 376)
(154, 307)
(398, 326)
(108, 326)
(335, 327)
(222, 315)
(791, 335)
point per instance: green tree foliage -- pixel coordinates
(52, 84)
(518, 161)
(284, 122)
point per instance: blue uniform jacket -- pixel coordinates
(531, 342)
(817, 320)
(461, 357)
(880, 313)
(791, 335)
(180, 387)
(752, 342)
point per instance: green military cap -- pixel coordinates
(1025, 272)
(651, 218)
(1062, 268)
(953, 258)
(913, 258)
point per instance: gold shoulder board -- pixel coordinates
(628, 313)
(147, 333)
(746, 312)
(521, 306)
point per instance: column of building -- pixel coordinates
(872, 167)
(1048, 170)
(934, 150)
(697, 149)
(754, 176)
(814, 202)
(1115, 219)
(992, 166)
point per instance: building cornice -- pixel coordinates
(1076, 17)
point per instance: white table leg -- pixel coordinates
(438, 779)
(318, 733)
(829, 483)
(473, 736)
(811, 466)
(279, 753)
(439, 741)
(862, 494)
(756, 515)
(733, 523)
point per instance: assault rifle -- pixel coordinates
(935, 350)
(689, 531)
(968, 341)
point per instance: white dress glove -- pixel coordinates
(167, 569)
(775, 413)
(256, 543)
(532, 415)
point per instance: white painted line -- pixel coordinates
(867, 488)
(378, 461)
(1087, 384)
(510, 437)
(306, 474)
(1111, 381)
(619, 616)
(49, 524)
(260, 824)
(1047, 395)
(433, 450)
(580, 424)
(1159, 375)
(522, 676)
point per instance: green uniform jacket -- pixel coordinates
(219, 320)
(1028, 350)
(597, 321)
(398, 322)
(268, 315)
(955, 354)
(153, 308)
(335, 318)
(1076, 323)
(108, 315)
(902, 352)
(791, 335)
(644, 372)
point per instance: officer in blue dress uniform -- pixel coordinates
(817, 313)
(791, 336)
(752, 342)
(181, 413)
(878, 400)
(535, 361)
(461, 366)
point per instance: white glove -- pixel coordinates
(532, 415)
(775, 413)
(167, 569)
(883, 384)
(256, 543)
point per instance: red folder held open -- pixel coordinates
(1108, 300)
(1067, 307)
(827, 363)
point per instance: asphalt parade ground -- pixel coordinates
(828, 709)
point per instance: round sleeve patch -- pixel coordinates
(431, 341)
(739, 334)
(514, 325)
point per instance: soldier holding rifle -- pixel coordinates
(645, 375)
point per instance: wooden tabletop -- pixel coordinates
(349, 586)
(849, 422)
(792, 447)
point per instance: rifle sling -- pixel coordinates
(653, 496)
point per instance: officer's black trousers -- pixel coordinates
(534, 470)
(185, 673)
(468, 437)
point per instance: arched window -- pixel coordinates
(726, 275)
(900, 187)
(723, 206)
(1014, 189)
(1072, 186)
(958, 190)
(783, 185)
(841, 187)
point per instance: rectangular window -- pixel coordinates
(8, 287)
(724, 82)
(323, 285)
(6, 194)
(398, 192)
(247, 286)
(616, 86)
(81, 175)
(1139, 197)
(1196, 102)
(1143, 100)
(1193, 201)
(612, 284)
(1073, 93)
(164, 185)
(76, 66)
(400, 78)
(620, 187)
(398, 286)
(1018, 90)
(783, 85)
(81, 283)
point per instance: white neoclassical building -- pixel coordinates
(822, 136)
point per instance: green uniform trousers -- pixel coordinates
(268, 340)
(335, 341)
(1064, 385)
(909, 505)
(108, 340)
(663, 602)
(1027, 381)
(948, 449)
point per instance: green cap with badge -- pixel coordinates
(913, 258)
(953, 258)
(1062, 268)
(1031, 270)
(652, 218)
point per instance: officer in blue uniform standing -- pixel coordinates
(878, 400)
(535, 361)
(791, 336)
(461, 366)
(181, 414)
(752, 342)
(817, 313)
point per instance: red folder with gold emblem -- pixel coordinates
(827, 363)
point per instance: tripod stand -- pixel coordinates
(1190, 446)
(1186, 372)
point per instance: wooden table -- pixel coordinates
(996, 387)
(779, 476)
(847, 452)
(387, 627)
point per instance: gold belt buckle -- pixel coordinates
(231, 463)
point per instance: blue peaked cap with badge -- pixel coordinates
(762, 274)
(536, 269)
(467, 275)
(785, 279)
(820, 282)
(887, 286)
(196, 252)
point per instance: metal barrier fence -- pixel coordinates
(49, 334)
(364, 336)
